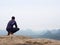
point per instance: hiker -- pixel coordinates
(12, 26)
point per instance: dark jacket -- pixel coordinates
(11, 23)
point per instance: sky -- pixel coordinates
(31, 14)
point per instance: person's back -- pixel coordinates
(10, 29)
(10, 24)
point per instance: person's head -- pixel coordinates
(13, 18)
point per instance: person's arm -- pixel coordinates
(15, 24)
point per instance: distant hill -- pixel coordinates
(54, 34)
(51, 34)
(3, 32)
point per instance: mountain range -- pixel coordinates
(51, 34)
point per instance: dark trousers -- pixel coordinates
(12, 30)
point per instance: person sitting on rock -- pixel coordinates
(12, 26)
